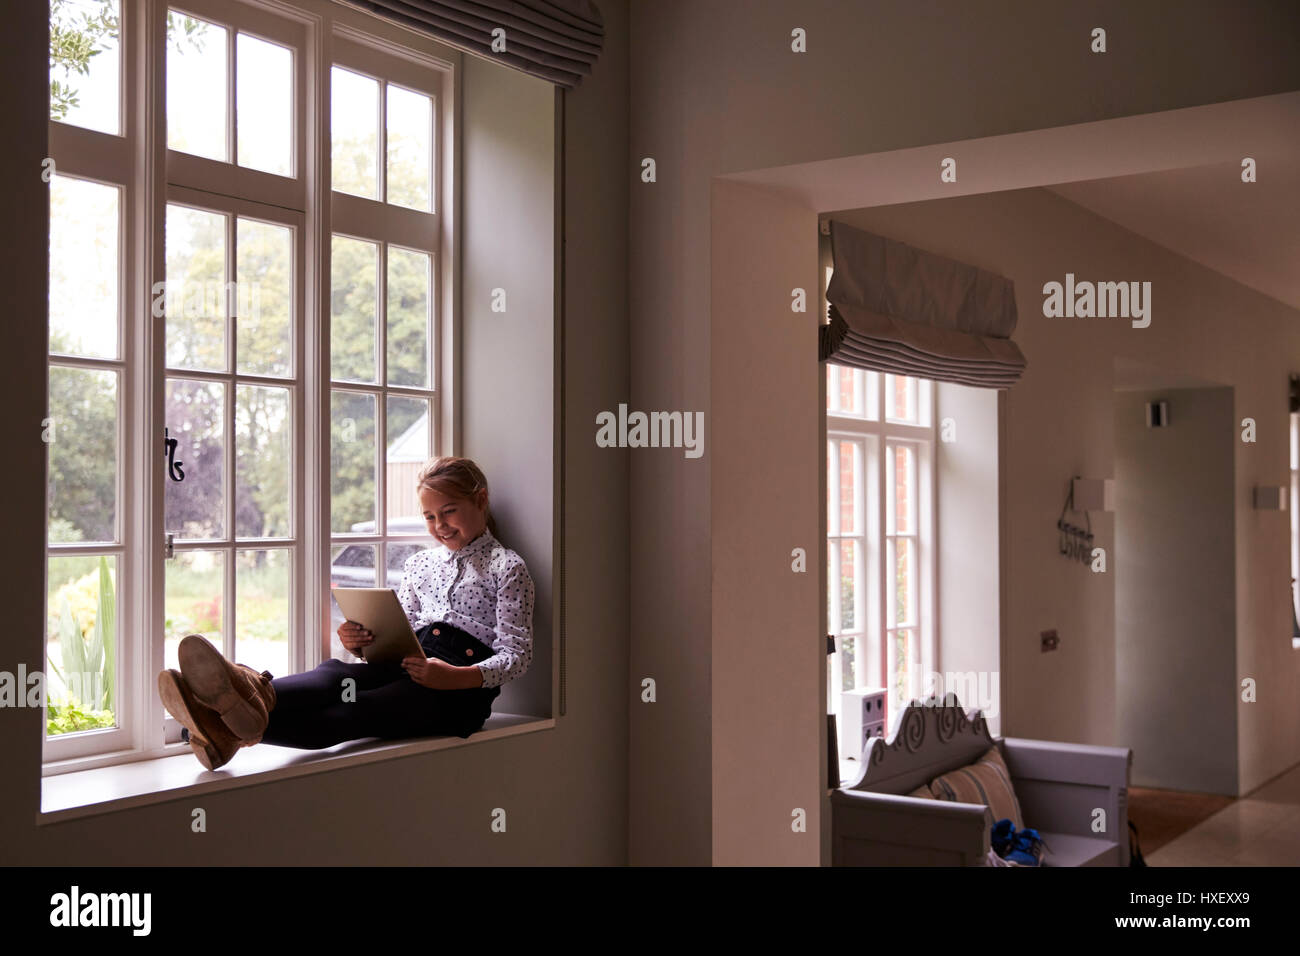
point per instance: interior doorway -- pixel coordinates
(1175, 580)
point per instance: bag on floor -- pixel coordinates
(1134, 847)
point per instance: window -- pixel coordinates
(385, 241)
(880, 534)
(245, 337)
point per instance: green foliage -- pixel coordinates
(76, 37)
(89, 667)
(82, 455)
(105, 636)
(69, 717)
(73, 42)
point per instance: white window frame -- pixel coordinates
(873, 433)
(874, 652)
(149, 175)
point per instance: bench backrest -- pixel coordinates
(932, 738)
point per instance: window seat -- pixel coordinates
(136, 783)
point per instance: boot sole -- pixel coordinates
(205, 671)
(174, 701)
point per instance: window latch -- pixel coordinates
(174, 469)
(169, 545)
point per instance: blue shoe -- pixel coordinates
(1002, 837)
(1027, 849)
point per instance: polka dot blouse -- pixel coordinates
(485, 589)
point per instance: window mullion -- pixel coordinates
(381, 161)
(232, 107)
(381, 487)
(228, 478)
(882, 554)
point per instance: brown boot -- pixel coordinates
(210, 738)
(265, 689)
(238, 694)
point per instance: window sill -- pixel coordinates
(122, 786)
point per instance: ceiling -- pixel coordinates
(1249, 232)
(1172, 177)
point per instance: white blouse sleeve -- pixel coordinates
(513, 642)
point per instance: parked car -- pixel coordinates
(354, 566)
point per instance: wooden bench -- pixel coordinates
(1074, 795)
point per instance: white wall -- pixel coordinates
(764, 246)
(508, 358)
(969, 621)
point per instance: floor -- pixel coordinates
(1259, 829)
(1162, 816)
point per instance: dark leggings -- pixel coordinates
(310, 712)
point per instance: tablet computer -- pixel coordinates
(380, 613)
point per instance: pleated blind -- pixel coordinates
(895, 308)
(557, 40)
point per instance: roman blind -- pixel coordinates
(557, 40)
(895, 308)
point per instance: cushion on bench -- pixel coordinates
(985, 781)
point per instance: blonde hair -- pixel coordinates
(456, 478)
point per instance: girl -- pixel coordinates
(470, 602)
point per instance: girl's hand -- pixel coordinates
(355, 637)
(434, 673)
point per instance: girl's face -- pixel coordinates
(454, 522)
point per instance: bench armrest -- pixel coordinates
(1061, 787)
(884, 829)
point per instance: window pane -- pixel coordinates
(410, 148)
(195, 506)
(196, 87)
(849, 391)
(408, 450)
(263, 297)
(85, 64)
(352, 462)
(832, 489)
(84, 267)
(196, 289)
(354, 268)
(848, 585)
(81, 643)
(408, 318)
(848, 662)
(354, 133)
(850, 487)
(396, 560)
(264, 105)
(905, 672)
(263, 448)
(901, 481)
(900, 399)
(82, 446)
(262, 610)
(903, 557)
(832, 591)
(351, 566)
(195, 599)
